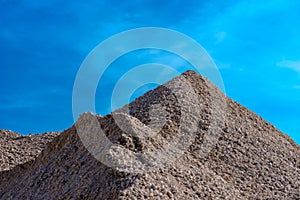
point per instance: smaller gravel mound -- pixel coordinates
(17, 149)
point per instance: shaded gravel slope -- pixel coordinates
(17, 149)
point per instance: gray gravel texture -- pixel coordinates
(16, 149)
(250, 160)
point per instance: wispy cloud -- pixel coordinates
(294, 65)
(220, 36)
(296, 87)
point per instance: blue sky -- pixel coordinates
(255, 44)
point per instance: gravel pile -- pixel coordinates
(235, 154)
(17, 149)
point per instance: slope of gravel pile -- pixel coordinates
(250, 160)
(17, 149)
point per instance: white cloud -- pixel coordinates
(294, 65)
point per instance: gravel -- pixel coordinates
(235, 155)
(17, 149)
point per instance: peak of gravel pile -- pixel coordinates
(17, 149)
(249, 159)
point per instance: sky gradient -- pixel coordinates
(256, 47)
